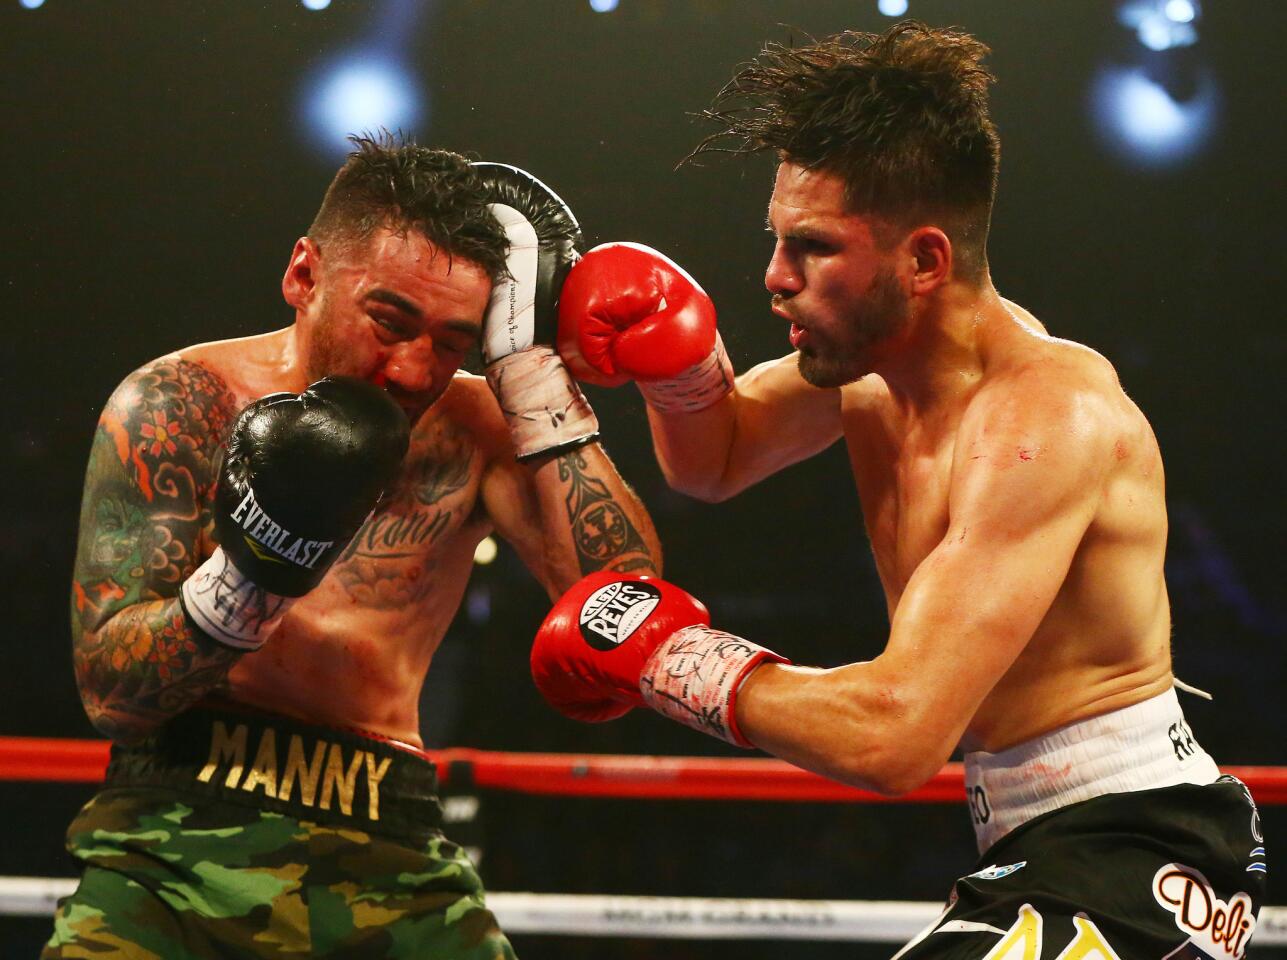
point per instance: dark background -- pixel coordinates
(156, 174)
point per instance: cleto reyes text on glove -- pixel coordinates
(618, 641)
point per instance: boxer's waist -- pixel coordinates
(282, 765)
(1139, 747)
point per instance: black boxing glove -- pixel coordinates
(300, 475)
(543, 406)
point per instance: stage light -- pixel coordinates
(1155, 33)
(316, 4)
(363, 91)
(32, 4)
(1146, 123)
(485, 552)
(892, 8)
(1161, 24)
(603, 6)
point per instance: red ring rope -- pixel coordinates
(42, 759)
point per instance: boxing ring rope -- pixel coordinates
(634, 777)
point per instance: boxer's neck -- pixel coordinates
(943, 355)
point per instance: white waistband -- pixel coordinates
(1139, 747)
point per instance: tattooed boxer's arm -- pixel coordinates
(571, 514)
(145, 511)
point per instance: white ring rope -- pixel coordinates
(695, 918)
(700, 918)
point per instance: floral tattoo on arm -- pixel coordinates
(152, 469)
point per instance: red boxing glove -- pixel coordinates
(616, 641)
(626, 312)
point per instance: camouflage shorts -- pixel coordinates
(325, 855)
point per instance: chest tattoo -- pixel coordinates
(390, 560)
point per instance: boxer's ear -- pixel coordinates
(300, 279)
(932, 252)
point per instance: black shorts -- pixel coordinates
(1175, 872)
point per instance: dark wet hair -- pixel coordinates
(901, 117)
(389, 182)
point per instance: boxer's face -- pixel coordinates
(831, 278)
(396, 312)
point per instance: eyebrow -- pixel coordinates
(395, 300)
(803, 232)
(806, 231)
(466, 327)
(399, 302)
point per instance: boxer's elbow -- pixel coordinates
(899, 774)
(108, 713)
(890, 749)
(705, 492)
(913, 749)
(710, 486)
(117, 726)
(692, 480)
(883, 766)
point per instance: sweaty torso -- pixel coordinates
(354, 651)
(1105, 641)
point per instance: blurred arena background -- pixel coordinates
(163, 156)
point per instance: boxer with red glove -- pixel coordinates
(616, 641)
(627, 313)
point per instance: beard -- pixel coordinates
(842, 357)
(327, 353)
(330, 354)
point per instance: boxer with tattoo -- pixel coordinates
(276, 533)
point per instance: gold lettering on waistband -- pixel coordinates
(340, 780)
(225, 746)
(307, 773)
(264, 769)
(374, 775)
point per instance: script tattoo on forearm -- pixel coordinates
(152, 469)
(604, 536)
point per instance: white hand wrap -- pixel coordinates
(226, 606)
(700, 386)
(694, 677)
(542, 404)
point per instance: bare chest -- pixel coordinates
(410, 541)
(903, 479)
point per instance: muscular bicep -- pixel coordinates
(147, 486)
(1026, 483)
(774, 418)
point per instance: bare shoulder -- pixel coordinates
(171, 400)
(222, 370)
(250, 366)
(1050, 394)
